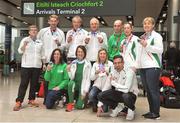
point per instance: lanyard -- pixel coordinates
(94, 33)
(125, 45)
(118, 39)
(75, 32)
(53, 32)
(126, 42)
(146, 36)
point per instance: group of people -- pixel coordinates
(98, 70)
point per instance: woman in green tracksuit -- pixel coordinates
(58, 78)
(79, 73)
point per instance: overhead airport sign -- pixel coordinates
(78, 7)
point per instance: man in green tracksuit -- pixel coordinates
(114, 43)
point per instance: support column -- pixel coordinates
(40, 22)
(8, 32)
(173, 34)
(160, 27)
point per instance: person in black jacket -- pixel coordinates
(172, 57)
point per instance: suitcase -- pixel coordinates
(171, 101)
(41, 90)
(5, 70)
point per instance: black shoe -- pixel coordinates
(146, 114)
(152, 116)
(125, 110)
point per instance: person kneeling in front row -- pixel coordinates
(58, 78)
(123, 90)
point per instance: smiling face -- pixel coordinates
(118, 64)
(76, 22)
(148, 24)
(102, 56)
(33, 31)
(94, 24)
(127, 29)
(118, 25)
(57, 56)
(80, 54)
(53, 22)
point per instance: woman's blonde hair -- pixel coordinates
(98, 59)
(149, 19)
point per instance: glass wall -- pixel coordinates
(2, 39)
(14, 34)
(2, 36)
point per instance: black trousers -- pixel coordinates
(28, 75)
(113, 97)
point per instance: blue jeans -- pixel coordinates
(93, 95)
(94, 99)
(53, 96)
(150, 80)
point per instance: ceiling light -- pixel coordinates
(98, 17)
(68, 17)
(11, 17)
(160, 21)
(129, 16)
(102, 22)
(18, 7)
(130, 22)
(25, 22)
(164, 15)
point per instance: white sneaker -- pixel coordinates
(61, 103)
(130, 114)
(118, 109)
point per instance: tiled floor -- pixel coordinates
(8, 92)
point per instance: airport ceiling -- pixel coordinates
(143, 8)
